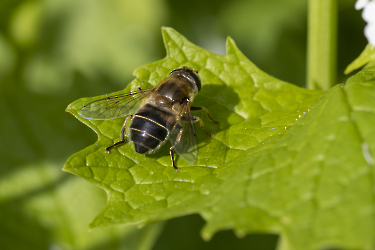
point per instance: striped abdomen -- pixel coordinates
(148, 128)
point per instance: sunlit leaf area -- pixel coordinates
(288, 168)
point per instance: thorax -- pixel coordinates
(170, 93)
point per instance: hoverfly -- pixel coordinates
(157, 114)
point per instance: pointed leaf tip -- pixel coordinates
(169, 34)
(231, 46)
(367, 56)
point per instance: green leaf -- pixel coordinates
(366, 57)
(284, 159)
(315, 184)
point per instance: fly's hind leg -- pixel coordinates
(123, 141)
(172, 148)
(172, 158)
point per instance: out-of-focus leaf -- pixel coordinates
(51, 210)
(366, 57)
(7, 57)
(274, 40)
(49, 51)
(65, 37)
(26, 23)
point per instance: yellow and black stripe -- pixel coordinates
(148, 128)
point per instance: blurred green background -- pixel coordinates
(53, 52)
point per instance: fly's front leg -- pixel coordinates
(197, 119)
(172, 148)
(122, 136)
(208, 113)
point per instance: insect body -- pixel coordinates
(159, 113)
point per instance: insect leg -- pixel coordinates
(201, 124)
(122, 136)
(124, 127)
(172, 158)
(172, 148)
(208, 114)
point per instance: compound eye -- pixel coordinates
(189, 74)
(176, 70)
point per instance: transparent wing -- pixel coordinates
(114, 106)
(187, 147)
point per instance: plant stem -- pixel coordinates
(322, 44)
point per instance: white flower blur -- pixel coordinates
(360, 4)
(368, 14)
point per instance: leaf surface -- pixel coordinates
(284, 159)
(367, 57)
